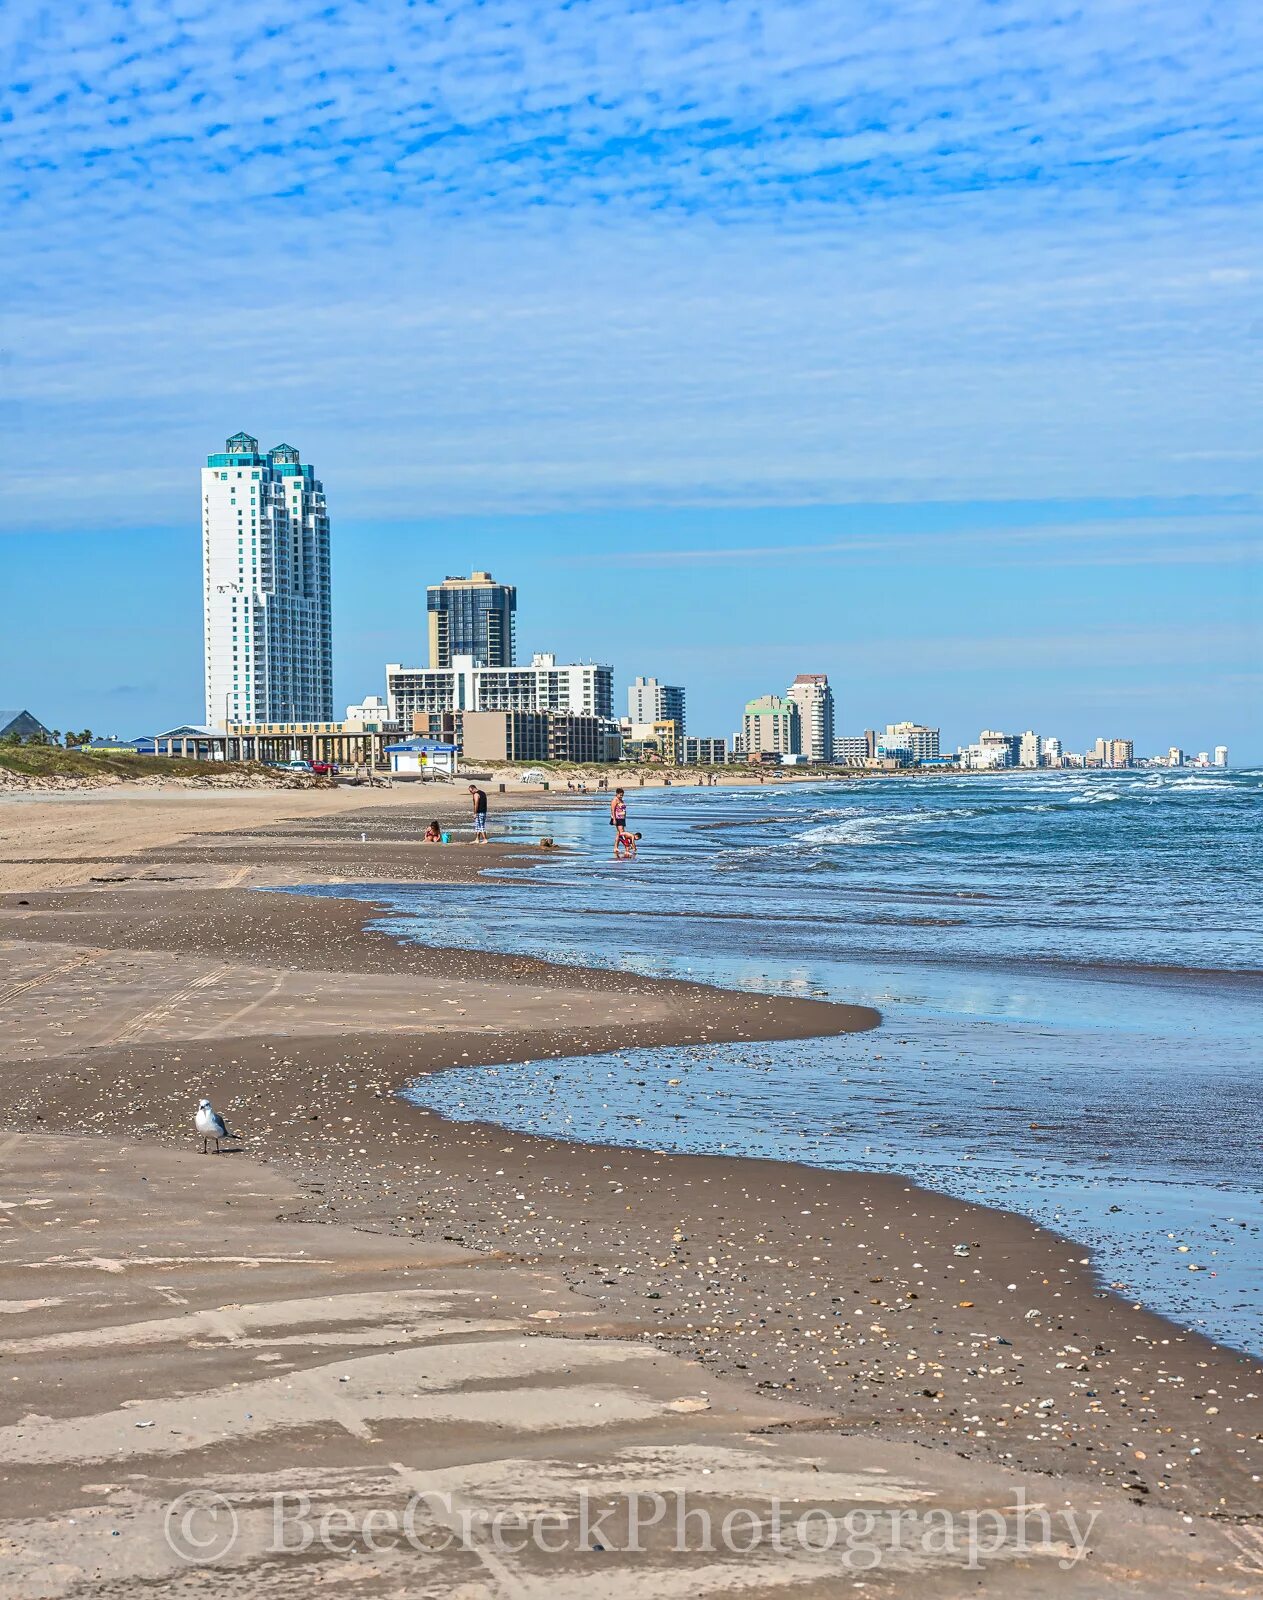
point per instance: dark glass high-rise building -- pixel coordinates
(472, 616)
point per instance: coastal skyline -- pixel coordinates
(924, 354)
(631, 798)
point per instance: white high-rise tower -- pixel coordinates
(265, 587)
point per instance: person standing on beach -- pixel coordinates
(618, 817)
(480, 814)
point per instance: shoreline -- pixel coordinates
(973, 1388)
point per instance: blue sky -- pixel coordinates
(919, 344)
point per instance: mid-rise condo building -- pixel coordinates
(648, 700)
(583, 688)
(771, 726)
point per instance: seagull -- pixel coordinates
(210, 1125)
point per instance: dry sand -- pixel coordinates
(827, 1315)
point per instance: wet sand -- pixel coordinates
(839, 1297)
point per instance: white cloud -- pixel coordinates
(523, 255)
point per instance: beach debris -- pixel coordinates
(960, 1249)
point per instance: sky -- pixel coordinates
(919, 344)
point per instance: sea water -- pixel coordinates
(1067, 967)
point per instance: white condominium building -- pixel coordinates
(811, 693)
(921, 743)
(265, 587)
(584, 688)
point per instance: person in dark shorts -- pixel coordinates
(618, 817)
(480, 814)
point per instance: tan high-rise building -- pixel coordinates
(811, 693)
(1121, 753)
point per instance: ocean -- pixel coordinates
(1068, 967)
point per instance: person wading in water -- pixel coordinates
(618, 817)
(480, 813)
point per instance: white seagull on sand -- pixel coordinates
(210, 1125)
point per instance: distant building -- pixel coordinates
(704, 752)
(1051, 753)
(921, 743)
(528, 736)
(851, 751)
(986, 755)
(372, 714)
(1221, 755)
(583, 688)
(265, 587)
(1008, 747)
(771, 726)
(473, 617)
(651, 701)
(1030, 750)
(1175, 756)
(657, 741)
(811, 693)
(1122, 753)
(16, 724)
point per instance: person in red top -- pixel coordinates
(618, 817)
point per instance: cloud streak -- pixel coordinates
(535, 255)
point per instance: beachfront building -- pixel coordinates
(1050, 755)
(1005, 747)
(265, 587)
(920, 742)
(984, 756)
(850, 750)
(811, 694)
(652, 741)
(704, 752)
(1221, 755)
(771, 727)
(529, 736)
(1114, 752)
(1175, 756)
(474, 617)
(648, 700)
(1030, 750)
(582, 688)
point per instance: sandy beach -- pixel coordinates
(741, 1324)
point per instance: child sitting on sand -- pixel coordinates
(433, 834)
